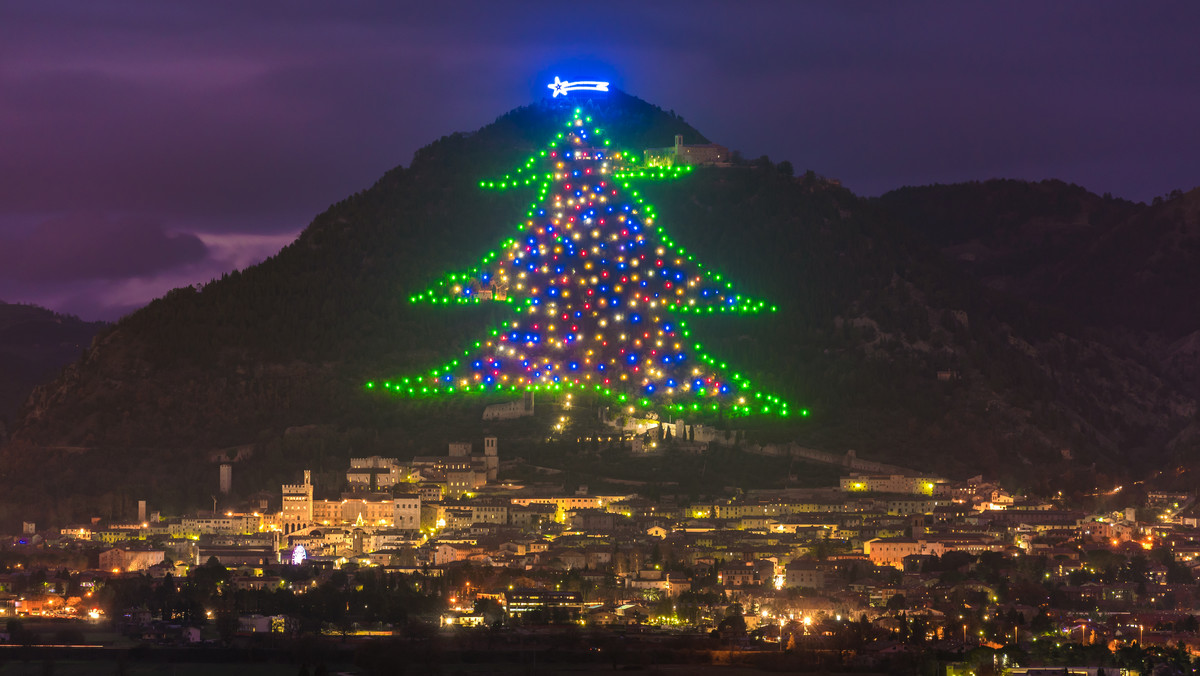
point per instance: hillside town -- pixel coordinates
(880, 570)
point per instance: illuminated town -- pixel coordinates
(879, 570)
(393, 339)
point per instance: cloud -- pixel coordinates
(93, 246)
(112, 297)
(238, 119)
(239, 251)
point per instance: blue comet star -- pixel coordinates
(563, 87)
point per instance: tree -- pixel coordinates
(598, 294)
(1190, 624)
(1041, 623)
(493, 613)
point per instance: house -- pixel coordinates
(804, 574)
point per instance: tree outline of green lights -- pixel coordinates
(525, 176)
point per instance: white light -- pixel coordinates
(562, 87)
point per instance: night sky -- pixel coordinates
(148, 145)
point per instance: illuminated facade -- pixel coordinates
(521, 601)
(891, 551)
(890, 483)
(297, 510)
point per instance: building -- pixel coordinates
(459, 474)
(678, 154)
(230, 524)
(531, 517)
(297, 510)
(491, 458)
(128, 560)
(511, 409)
(406, 511)
(521, 601)
(374, 473)
(226, 480)
(373, 510)
(567, 503)
(890, 483)
(891, 551)
(803, 574)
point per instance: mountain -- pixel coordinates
(35, 343)
(902, 346)
(1129, 269)
(1107, 262)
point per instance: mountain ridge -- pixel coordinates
(871, 311)
(34, 344)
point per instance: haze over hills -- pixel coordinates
(34, 344)
(1003, 327)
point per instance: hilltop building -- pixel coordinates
(510, 410)
(701, 153)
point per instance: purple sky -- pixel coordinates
(147, 145)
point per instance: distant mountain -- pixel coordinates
(954, 328)
(35, 343)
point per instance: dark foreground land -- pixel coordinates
(387, 658)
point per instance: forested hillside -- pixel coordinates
(899, 350)
(34, 344)
(1102, 260)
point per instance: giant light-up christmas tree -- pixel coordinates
(599, 293)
